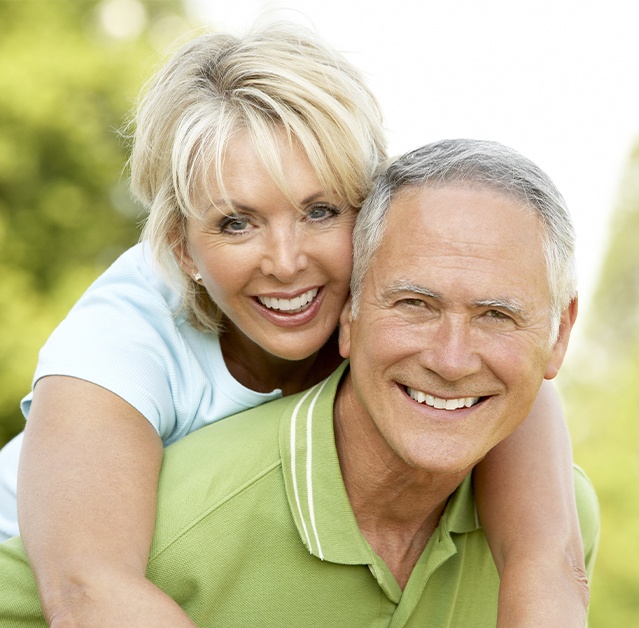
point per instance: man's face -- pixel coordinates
(451, 342)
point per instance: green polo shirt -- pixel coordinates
(254, 528)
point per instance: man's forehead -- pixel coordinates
(475, 212)
(467, 188)
(443, 237)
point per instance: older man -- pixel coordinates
(352, 504)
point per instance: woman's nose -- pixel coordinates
(284, 256)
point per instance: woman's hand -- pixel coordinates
(526, 502)
(87, 488)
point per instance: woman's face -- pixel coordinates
(279, 275)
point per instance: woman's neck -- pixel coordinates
(261, 371)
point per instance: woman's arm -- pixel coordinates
(526, 502)
(87, 489)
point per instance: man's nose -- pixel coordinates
(450, 349)
(284, 255)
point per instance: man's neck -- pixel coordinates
(397, 506)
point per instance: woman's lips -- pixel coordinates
(290, 306)
(293, 312)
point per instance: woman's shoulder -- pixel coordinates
(135, 276)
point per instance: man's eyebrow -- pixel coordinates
(405, 286)
(509, 305)
(514, 307)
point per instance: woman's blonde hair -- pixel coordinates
(277, 77)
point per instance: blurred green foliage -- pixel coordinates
(69, 74)
(602, 394)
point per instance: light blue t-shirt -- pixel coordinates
(126, 334)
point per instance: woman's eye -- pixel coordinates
(234, 224)
(320, 212)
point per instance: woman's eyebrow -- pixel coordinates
(220, 203)
(313, 197)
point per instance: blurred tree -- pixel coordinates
(602, 397)
(69, 73)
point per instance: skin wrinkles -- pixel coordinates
(511, 307)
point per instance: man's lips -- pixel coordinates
(439, 403)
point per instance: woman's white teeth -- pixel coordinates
(297, 304)
(439, 403)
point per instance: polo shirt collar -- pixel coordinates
(316, 492)
(314, 486)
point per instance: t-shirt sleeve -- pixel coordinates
(122, 335)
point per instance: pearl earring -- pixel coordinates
(197, 277)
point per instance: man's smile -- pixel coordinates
(438, 402)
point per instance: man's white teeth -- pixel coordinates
(439, 403)
(297, 304)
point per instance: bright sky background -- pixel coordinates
(558, 80)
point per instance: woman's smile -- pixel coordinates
(297, 311)
(290, 305)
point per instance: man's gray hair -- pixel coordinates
(482, 164)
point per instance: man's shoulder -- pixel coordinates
(233, 442)
(216, 464)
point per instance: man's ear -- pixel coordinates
(345, 322)
(567, 320)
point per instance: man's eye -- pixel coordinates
(413, 302)
(496, 314)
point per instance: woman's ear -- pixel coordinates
(345, 322)
(181, 253)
